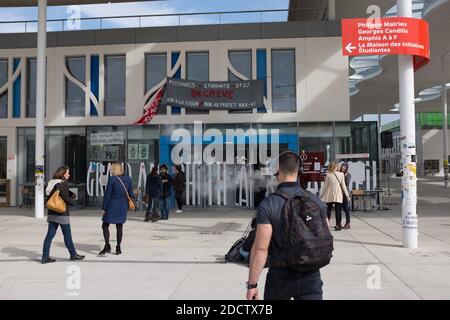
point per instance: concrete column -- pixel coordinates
(408, 139)
(40, 109)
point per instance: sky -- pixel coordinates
(146, 8)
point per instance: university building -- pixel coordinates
(98, 82)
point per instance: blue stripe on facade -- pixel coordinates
(289, 139)
(95, 72)
(175, 56)
(17, 90)
(261, 72)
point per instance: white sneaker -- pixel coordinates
(179, 211)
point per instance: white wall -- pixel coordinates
(321, 74)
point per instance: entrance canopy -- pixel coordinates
(33, 3)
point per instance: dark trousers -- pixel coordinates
(284, 285)
(152, 206)
(346, 205)
(179, 198)
(52, 228)
(338, 209)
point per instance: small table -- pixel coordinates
(371, 194)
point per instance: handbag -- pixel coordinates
(56, 203)
(131, 205)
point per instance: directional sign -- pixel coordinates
(387, 36)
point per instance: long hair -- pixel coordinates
(333, 167)
(154, 172)
(59, 174)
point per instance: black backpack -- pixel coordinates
(306, 240)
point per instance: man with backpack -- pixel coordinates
(293, 223)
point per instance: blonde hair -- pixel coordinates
(333, 167)
(116, 169)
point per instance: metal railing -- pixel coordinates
(156, 20)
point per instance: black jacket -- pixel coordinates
(66, 195)
(166, 185)
(154, 186)
(179, 182)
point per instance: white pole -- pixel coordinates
(445, 117)
(408, 138)
(40, 109)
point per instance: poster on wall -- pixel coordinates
(107, 138)
(133, 151)
(143, 151)
(105, 153)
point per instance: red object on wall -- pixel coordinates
(309, 162)
(395, 35)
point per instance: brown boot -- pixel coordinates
(346, 226)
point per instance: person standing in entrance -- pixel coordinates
(333, 193)
(164, 200)
(179, 184)
(154, 189)
(55, 219)
(346, 203)
(115, 205)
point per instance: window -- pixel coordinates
(4, 95)
(242, 62)
(3, 162)
(197, 68)
(155, 71)
(283, 81)
(75, 96)
(115, 85)
(31, 88)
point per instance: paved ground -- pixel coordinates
(177, 259)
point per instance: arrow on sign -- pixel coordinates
(349, 48)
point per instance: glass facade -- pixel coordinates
(115, 85)
(75, 96)
(283, 81)
(31, 88)
(4, 95)
(155, 72)
(197, 68)
(3, 157)
(242, 63)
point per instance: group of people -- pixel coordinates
(335, 193)
(158, 192)
(116, 203)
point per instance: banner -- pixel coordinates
(214, 95)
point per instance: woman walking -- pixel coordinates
(179, 184)
(115, 205)
(346, 203)
(56, 219)
(333, 193)
(153, 188)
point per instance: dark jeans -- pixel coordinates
(338, 209)
(152, 206)
(284, 285)
(179, 198)
(52, 228)
(164, 207)
(346, 206)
